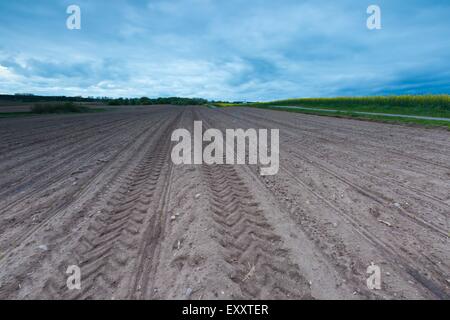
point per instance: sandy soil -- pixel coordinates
(100, 191)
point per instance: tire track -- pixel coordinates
(434, 285)
(54, 212)
(228, 243)
(76, 153)
(438, 289)
(262, 267)
(369, 135)
(149, 249)
(374, 197)
(56, 148)
(59, 135)
(355, 143)
(82, 154)
(370, 194)
(17, 142)
(111, 239)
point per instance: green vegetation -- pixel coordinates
(437, 106)
(30, 98)
(342, 114)
(68, 107)
(148, 101)
(418, 105)
(63, 104)
(49, 108)
(18, 99)
(424, 105)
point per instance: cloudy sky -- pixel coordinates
(225, 49)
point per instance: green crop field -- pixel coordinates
(437, 106)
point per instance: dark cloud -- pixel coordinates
(237, 50)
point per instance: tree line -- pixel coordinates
(148, 101)
(30, 98)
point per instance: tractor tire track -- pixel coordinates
(95, 180)
(379, 198)
(109, 243)
(435, 284)
(53, 174)
(262, 268)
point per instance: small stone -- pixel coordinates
(396, 204)
(197, 195)
(43, 247)
(188, 292)
(385, 222)
(173, 218)
(388, 273)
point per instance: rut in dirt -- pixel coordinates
(101, 192)
(122, 238)
(262, 268)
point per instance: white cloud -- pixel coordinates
(232, 49)
(7, 74)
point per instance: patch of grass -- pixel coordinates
(357, 116)
(51, 108)
(68, 107)
(411, 105)
(418, 105)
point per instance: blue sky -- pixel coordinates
(230, 50)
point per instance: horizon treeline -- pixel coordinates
(30, 98)
(148, 101)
